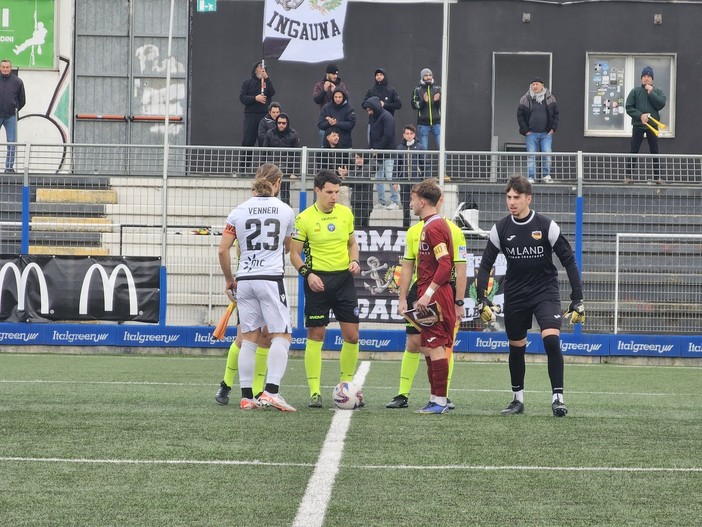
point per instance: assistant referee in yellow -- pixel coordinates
(324, 233)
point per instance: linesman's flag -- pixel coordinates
(304, 30)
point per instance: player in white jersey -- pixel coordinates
(263, 225)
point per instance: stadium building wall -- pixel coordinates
(404, 38)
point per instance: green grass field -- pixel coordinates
(138, 440)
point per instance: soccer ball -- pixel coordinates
(347, 396)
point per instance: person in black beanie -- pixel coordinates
(389, 99)
(643, 103)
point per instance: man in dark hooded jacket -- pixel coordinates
(323, 91)
(340, 115)
(268, 121)
(381, 136)
(389, 99)
(283, 136)
(256, 92)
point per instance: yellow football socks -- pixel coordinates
(410, 364)
(232, 364)
(348, 359)
(260, 367)
(313, 365)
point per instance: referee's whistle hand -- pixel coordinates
(315, 283)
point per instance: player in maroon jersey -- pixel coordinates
(436, 297)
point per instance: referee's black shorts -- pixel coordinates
(339, 295)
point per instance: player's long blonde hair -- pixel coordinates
(266, 177)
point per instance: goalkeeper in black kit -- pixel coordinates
(528, 240)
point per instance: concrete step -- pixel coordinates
(70, 195)
(70, 251)
(58, 223)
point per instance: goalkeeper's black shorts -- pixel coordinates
(518, 319)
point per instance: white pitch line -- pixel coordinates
(521, 468)
(257, 463)
(456, 389)
(314, 503)
(253, 462)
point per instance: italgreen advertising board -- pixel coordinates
(27, 33)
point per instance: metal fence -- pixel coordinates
(114, 199)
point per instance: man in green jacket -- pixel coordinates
(643, 103)
(426, 99)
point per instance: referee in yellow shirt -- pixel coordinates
(324, 233)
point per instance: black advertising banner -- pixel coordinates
(38, 288)
(380, 253)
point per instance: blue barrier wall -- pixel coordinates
(371, 340)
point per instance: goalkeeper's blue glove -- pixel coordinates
(576, 312)
(488, 312)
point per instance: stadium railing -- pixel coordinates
(114, 199)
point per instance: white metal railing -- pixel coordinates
(146, 160)
(665, 288)
(201, 190)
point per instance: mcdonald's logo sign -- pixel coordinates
(108, 286)
(21, 281)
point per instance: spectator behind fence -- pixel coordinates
(323, 90)
(335, 159)
(338, 114)
(268, 121)
(537, 115)
(332, 156)
(283, 136)
(350, 168)
(381, 136)
(643, 103)
(256, 91)
(389, 99)
(426, 99)
(361, 191)
(410, 166)
(12, 100)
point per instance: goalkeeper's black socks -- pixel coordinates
(517, 366)
(552, 345)
(247, 393)
(272, 388)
